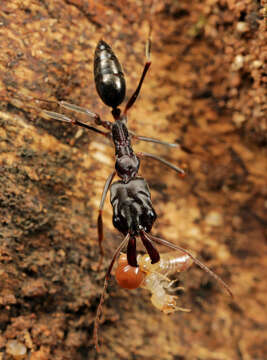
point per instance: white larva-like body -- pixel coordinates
(157, 281)
(154, 277)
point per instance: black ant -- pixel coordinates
(133, 214)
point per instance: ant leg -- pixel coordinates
(157, 141)
(72, 107)
(99, 219)
(64, 118)
(148, 139)
(179, 170)
(82, 110)
(196, 261)
(133, 98)
(99, 308)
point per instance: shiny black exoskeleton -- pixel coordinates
(130, 197)
(132, 206)
(133, 214)
(111, 87)
(109, 78)
(127, 163)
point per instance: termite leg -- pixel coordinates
(133, 98)
(99, 308)
(99, 219)
(179, 170)
(173, 289)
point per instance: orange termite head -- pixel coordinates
(127, 276)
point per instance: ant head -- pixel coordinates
(127, 167)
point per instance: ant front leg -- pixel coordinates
(100, 220)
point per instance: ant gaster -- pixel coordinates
(133, 214)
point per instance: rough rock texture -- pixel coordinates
(207, 89)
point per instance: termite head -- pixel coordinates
(127, 276)
(144, 262)
(165, 303)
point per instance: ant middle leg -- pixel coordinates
(153, 140)
(179, 170)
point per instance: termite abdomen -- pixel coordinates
(169, 264)
(109, 78)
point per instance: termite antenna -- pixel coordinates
(196, 261)
(102, 298)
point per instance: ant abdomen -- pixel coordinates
(109, 78)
